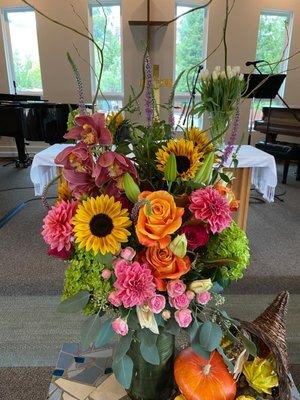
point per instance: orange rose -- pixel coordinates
(164, 219)
(165, 264)
(228, 193)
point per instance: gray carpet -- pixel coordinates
(31, 331)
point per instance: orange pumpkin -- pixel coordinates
(201, 379)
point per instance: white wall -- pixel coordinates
(54, 42)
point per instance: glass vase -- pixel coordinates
(152, 382)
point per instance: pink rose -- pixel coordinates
(203, 298)
(114, 299)
(128, 253)
(64, 254)
(120, 326)
(176, 288)
(157, 303)
(196, 235)
(166, 314)
(106, 273)
(180, 302)
(183, 318)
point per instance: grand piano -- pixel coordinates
(31, 118)
(281, 121)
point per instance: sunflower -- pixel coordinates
(200, 139)
(100, 225)
(188, 157)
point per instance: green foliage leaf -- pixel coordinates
(159, 320)
(105, 259)
(106, 333)
(90, 330)
(217, 288)
(172, 327)
(123, 346)
(200, 350)
(229, 364)
(224, 177)
(249, 345)
(193, 329)
(150, 353)
(123, 371)
(75, 303)
(148, 337)
(210, 335)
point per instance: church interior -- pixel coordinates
(51, 54)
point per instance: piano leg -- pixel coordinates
(285, 171)
(22, 157)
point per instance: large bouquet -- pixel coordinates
(145, 222)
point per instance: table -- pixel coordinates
(254, 166)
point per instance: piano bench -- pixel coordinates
(283, 151)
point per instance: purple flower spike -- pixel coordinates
(149, 108)
(234, 134)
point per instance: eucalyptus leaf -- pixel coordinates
(193, 329)
(159, 320)
(210, 335)
(90, 330)
(217, 288)
(123, 346)
(106, 333)
(249, 345)
(229, 364)
(200, 350)
(75, 303)
(123, 371)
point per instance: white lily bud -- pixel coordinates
(204, 74)
(215, 75)
(236, 70)
(223, 75)
(218, 68)
(241, 77)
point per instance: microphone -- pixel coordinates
(254, 63)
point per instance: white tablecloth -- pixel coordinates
(264, 173)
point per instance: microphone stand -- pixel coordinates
(193, 95)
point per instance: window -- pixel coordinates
(106, 28)
(188, 52)
(273, 45)
(22, 52)
(273, 40)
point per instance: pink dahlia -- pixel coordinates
(57, 228)
(210, 206)
(196, 235)
(134, 283)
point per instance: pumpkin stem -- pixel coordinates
(206, 369)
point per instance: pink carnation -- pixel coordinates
(183, 318)
(179, 302)
(196, 235)
(120, 326)
(57, 228)
(203, 298)
(134, 283)
(157, 303)
(176, 288)
(210, 206)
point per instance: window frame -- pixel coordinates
(9, 59)
(109, 96)
(185, 96)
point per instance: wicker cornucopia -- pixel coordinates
(270, 328)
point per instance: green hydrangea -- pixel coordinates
(84, 273)
(231, 244)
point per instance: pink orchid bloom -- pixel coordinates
(91, 130)
(111, 165)
(78, 166)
